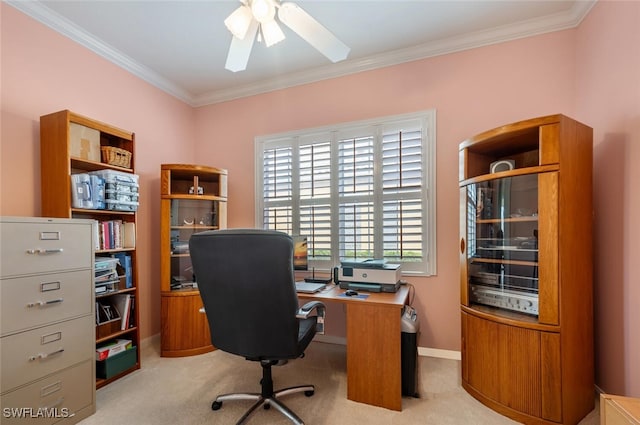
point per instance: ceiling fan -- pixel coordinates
(258, 17)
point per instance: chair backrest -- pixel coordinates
(247, 285)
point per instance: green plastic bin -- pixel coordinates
(117, 363)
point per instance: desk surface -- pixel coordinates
(332, 293)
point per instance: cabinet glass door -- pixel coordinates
(502, 243)
(188, 216)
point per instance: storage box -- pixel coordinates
(116, 364)
(121, 190)
(119, 180)
(84, 142)
(112, 348)
(105, 263)
(87, 191)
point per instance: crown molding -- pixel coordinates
(556, 22)
(60, 24)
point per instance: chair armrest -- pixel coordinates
(305, 311)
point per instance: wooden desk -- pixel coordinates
(374, 374)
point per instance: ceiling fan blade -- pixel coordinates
(240, 49)
(312, 32)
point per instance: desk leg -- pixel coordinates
(374, 374)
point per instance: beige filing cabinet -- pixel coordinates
(617, 410)
(47, 320)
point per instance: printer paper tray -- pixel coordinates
(369, 287)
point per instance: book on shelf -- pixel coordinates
(129, 235)
(122, 303)
(132, 316)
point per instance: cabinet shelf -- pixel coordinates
(501, 261)
(509, 318)
(510, 173)
(102, 212)
(115, 335)
(507, 219)
(120, 291)
(113, 251)
(184, 292)
(196, 197)
(88, 165)
(194, 227)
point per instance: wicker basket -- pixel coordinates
(116, 156)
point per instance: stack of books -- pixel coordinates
(114, 234)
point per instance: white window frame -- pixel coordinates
(296, 138)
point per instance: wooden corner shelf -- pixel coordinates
(193, 199)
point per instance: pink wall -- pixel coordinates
(44, 72)
(590, 74)
(472, 91)
(608, 98)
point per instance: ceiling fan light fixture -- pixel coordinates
(238, 22)
(257, 19)
(271, 32)
(263, 10)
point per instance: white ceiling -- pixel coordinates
(181, 46)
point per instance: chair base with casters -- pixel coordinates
(268, 397)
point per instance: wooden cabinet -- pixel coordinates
(87, 172)
(193, 199)
(46, 320)
(526, 269)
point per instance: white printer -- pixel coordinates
(368, 275)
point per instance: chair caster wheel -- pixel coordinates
(216, 405)
(266, 406)
(309, 393)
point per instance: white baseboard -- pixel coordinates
(438, 353)
(150, 342)
(154, 340)
(422, 351)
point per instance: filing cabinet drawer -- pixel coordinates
(27, 302)
(30, 355)
(42, 247)
(62, 394)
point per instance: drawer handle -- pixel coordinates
(45, 355)
(56, 403)
(44, 251)
(45, 303)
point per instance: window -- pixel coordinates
(357, 190)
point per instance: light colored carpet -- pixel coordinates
(180, 391)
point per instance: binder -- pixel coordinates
(125, 263)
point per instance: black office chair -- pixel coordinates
(247, 285)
